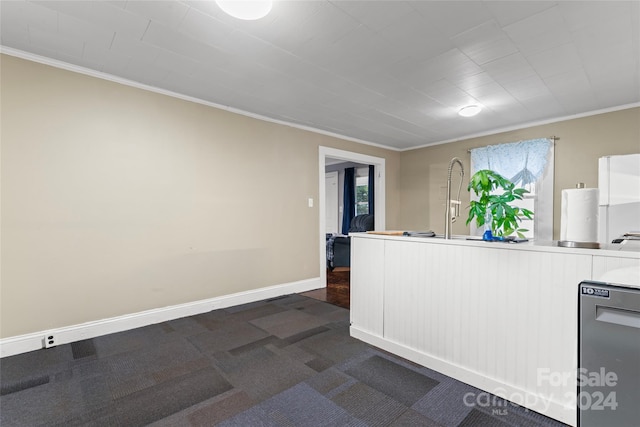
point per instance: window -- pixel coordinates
(528, 164)
(362, 195)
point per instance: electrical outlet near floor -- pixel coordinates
(50, 341)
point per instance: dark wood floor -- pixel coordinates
(337, 291)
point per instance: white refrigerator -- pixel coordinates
(619, 196)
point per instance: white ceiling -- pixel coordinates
(392, 73)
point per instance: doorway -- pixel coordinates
(327, 155)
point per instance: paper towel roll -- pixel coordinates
(579, 216)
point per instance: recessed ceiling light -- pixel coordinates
(248, 10)
(469, 111)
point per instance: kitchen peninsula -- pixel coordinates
(501, 317)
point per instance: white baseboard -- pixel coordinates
(35, 341)
(546, 405)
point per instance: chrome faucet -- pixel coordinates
(450, 217)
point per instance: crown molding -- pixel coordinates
(110, 77)
(528, 125)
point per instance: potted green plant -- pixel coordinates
(496, 210)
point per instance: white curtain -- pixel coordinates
(524, 163)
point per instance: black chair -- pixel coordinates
(342, 245)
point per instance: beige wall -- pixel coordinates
(581, 142)
(117, 200)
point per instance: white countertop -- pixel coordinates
(620, 250)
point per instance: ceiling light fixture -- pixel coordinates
(469, 111)
(248, 10)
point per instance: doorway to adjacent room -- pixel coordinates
(336, 282)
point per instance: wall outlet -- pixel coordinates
(50, 340)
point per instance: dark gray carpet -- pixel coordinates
(283, 362)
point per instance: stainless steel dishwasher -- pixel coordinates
(609, 354)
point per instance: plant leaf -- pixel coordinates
(504, 217)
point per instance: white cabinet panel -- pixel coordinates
(367, 285)
(500, 313)
(497, 317)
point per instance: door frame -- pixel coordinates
(379, 195)
(334, 175)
